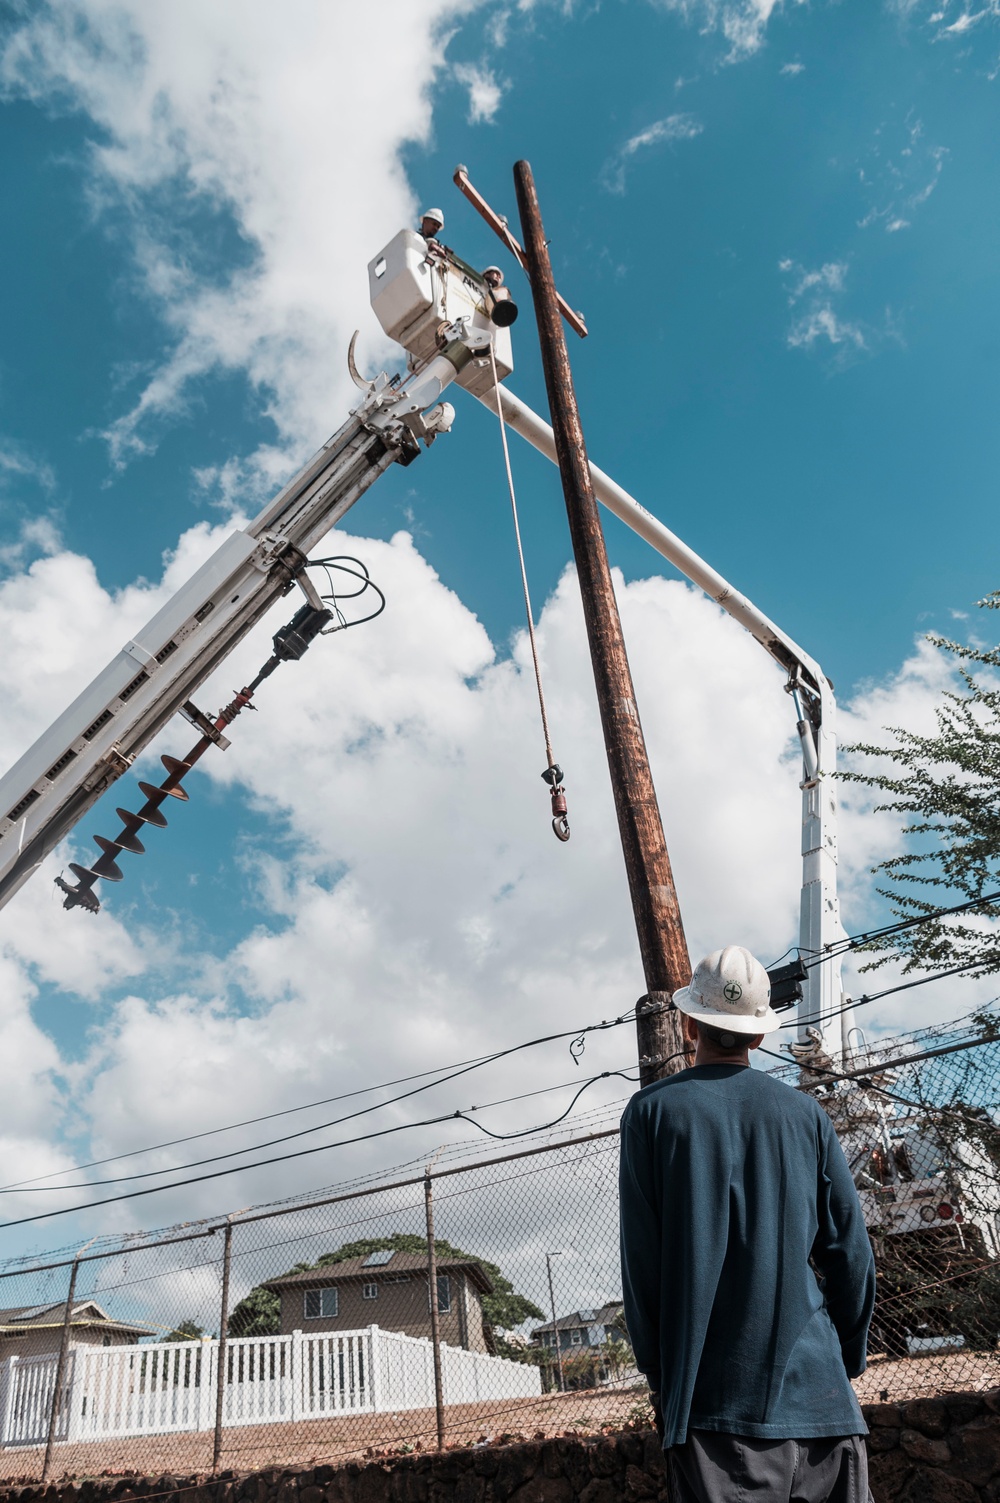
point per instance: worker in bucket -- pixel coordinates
(748, 1277)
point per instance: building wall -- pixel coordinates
(45, 1341)
(399, 1307)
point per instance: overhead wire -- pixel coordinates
(851, 942)
(903, 986)
(443, 1074)
(281, 1158)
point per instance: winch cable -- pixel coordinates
(553, 774)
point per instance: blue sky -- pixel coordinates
(781, 224)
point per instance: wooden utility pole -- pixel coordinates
(662, 945)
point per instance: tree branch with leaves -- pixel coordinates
(947, 788)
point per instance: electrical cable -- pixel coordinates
(444, 1073)
(280, 1158)
(869, 1084)
(855, 941)
(904, 986)
(506, 1136)
(270, 1143)
(340, 562)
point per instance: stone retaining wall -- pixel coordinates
(940, 1450)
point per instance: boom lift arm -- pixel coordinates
(94, 741)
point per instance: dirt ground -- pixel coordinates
(333, 1440)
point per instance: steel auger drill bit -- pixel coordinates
(290, 643)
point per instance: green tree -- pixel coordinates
(259, 1312)
(947, 788)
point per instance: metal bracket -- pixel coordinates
(653, 1002)
(117, 760)
(200, 720)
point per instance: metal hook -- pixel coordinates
(560, 826)
(356, 375)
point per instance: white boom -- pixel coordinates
(98, 737)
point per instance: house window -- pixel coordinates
(576, 1338)
(369, 1291)
(320, 1303)
(444, 1294)
(105, 1340)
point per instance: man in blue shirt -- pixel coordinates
(748, 1277)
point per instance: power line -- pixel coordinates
(298, 1153)
(904, 986)
(32, 1186)
(856, 941)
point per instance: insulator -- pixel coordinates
(150, 812)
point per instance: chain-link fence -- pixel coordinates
(477, 1299)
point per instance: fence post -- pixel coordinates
(9, 1395)
(375, 1369)
(220, 1377)
(432, 1289)
(60, 1367)
(77, 1387)
(295, 1373)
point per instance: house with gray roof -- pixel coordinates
(387, 1289)
(583, 1329)
(36, 1330)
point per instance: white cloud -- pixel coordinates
(829, 278)
(899, 177)
(791, 70)
(680, 127)
(823, 323)
(242, 108)
(485, 92)
(743, 23)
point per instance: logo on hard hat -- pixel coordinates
(732, 991)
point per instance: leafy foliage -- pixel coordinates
(947, 785)
(258, 1314)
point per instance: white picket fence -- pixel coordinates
(172, 1386)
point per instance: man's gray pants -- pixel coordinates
(711, 1467)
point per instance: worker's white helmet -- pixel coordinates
(730, 989)
(435, 216)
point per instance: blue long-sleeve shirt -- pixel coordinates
(730, 1183)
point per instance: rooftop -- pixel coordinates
(86, 1313)
(363, 1270)
(608, 1315)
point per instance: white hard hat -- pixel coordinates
(730, 989)
(434, 214)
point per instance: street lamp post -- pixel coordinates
(555, 1329)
